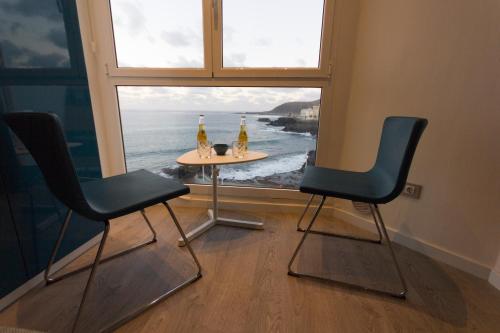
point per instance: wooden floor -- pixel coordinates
(245, 286)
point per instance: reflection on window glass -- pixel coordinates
(160, 123)
(72, 105)
(158, 33)
(278, 33)
(32, 36)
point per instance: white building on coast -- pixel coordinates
(310, 113)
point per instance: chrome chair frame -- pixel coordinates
(352, 237)
(379, 223)
(98, 260)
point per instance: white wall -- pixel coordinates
(438, 59)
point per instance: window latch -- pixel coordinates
(215, 7)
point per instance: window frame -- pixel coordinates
(114, 70)
(322, 71)
(105, 77)
(213, 51)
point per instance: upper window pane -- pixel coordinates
(158, 33)
(277, 33)
(32, 35)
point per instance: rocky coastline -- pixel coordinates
(291, 124)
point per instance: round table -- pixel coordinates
(192, 158)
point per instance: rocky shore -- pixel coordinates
(293, 125)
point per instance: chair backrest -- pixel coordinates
(43, 136)
(400, 136)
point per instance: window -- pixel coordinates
(167, 61)
(160, 123)
(279, 33)
(158, 33)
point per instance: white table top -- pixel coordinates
(192, 158)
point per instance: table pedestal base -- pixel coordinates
(214, 218)
(219, 221)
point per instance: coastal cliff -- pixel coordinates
(290, 118)
(294, 125)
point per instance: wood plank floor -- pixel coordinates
(245, 286)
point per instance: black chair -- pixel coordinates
(380, 185)
(98, 200)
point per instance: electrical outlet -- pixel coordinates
(412, 190)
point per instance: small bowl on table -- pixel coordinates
(220, 149)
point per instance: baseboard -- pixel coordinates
(33, 282)
(494, 279)
(436, 252)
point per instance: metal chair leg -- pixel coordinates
(304, 213)
(380, 226)
(183, 235)
(56, 247)
(166, 294)
(352, 237)
(306, 232)
(153, 231)
(50, 280)
(403, 293)
(92, 274)
(98, 261)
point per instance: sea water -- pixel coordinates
(154, 139)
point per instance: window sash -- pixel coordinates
(213, 51)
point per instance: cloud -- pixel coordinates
(20, 57)
(263, 42)
(15, 27)
(176, 38)
(235, 60)
(58, 37)
(183, 62)
(32, 8)
(228, 33)
(301, 62)
(129, 16)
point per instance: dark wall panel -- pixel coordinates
(41, 69)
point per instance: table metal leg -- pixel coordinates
(214, 218)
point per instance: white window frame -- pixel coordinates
(323, 70)
(105, 76)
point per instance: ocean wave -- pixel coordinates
(280, 129)
(274, 129)
(264, 168)
(155, 152)
(265, 142)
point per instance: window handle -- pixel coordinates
(215, 6)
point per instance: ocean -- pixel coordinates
(154, 139)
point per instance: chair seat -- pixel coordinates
(124, 194)
(357, 186)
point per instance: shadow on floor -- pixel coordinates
(430, 289)
(120, 287)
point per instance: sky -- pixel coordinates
(168, 33)
(230, 99)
